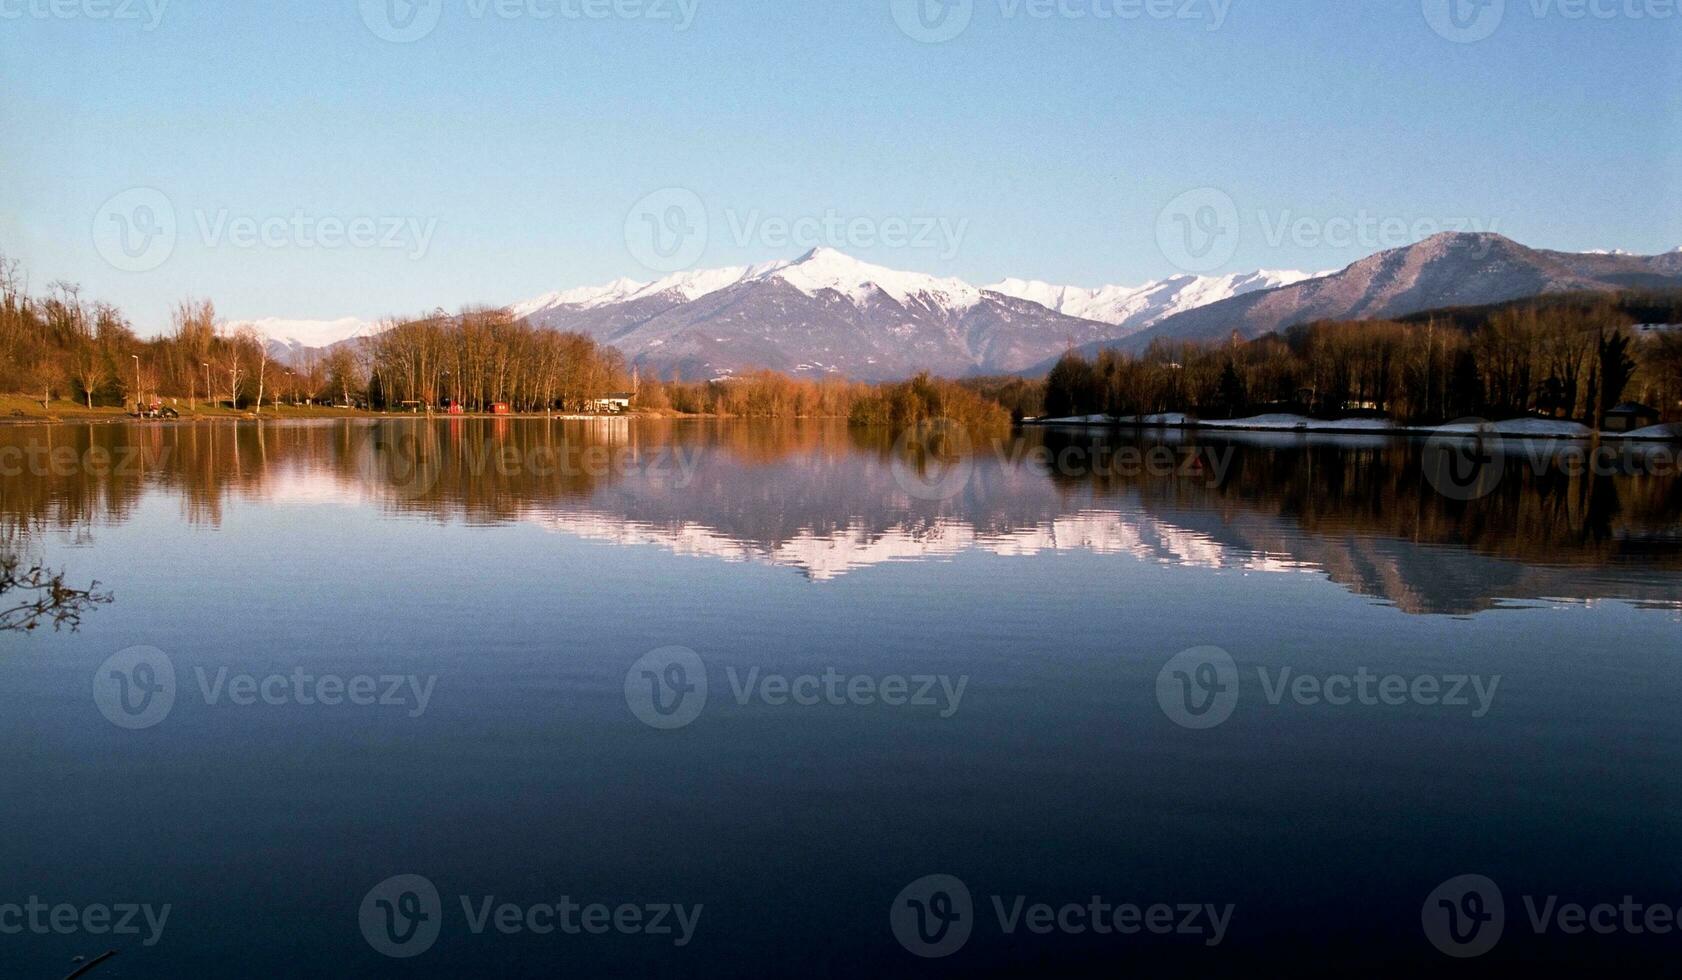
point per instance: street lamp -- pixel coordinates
(207, 383)
(137, 391)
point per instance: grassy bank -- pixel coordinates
(24, 408)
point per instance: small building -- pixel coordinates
(614, 404)
(502, 408)
(1630, 416)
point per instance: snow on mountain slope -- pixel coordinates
(825, 268)
(829, 313)
(1138, 307)
(816, 271)
(584, 297)
(310, 333)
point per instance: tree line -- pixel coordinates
(60, 345)
(1569, 357)
(769, 394)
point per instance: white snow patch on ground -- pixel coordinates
(1672, 431)
(1551, 428)
(1512, 428)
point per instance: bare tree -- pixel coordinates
(38, 595)
(251, 344)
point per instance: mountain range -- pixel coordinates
(826, 313)
(1447, 270)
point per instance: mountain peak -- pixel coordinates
(823, 253)
(828, 269)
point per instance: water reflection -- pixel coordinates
(824, 499)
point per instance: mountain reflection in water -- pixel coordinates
(828, 500)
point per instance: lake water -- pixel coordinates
(716, 699)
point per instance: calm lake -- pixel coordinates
(551, 698)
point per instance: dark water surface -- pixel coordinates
(524, 583)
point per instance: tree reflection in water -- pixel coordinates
(824, 498)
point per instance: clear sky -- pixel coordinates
(503, 153)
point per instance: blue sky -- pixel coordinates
(515, 148)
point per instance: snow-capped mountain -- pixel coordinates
(1451, 269)
(824, 313)
(290, 341)
(1135, 308)
(829, 313)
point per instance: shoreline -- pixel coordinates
(1524, 428)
